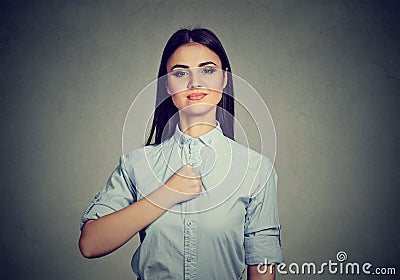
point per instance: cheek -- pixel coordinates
(176, 85)
(215, 97)
(218, 97)
(215, 83)
(178, 101)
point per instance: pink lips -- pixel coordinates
(196, 96)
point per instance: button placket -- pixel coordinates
(190, 246)
(190, 238)
(194, 152)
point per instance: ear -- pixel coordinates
(225, 78)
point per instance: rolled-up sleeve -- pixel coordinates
(262, 229)
(118, 193)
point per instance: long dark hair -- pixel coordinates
(165, 120)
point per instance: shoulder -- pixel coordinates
(141, 151)
(256, 160)
(257, 165)
(149, 153)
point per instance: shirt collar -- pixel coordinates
(208, 138)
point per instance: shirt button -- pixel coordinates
(189, 223)
(189, 259)
(97, 197)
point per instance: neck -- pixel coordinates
(196, 126)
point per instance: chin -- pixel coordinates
(200, 109)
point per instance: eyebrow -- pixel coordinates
(186, 67)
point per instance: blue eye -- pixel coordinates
(179, 74)
(208, 70)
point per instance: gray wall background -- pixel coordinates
(328, 70)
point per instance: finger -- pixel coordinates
(193, 172)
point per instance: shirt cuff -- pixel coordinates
(262, 248)
(95, 211)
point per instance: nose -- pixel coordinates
(194, 80)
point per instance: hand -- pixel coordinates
(185, 183)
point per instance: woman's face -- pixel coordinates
(195, 77)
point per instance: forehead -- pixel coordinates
(192, 55)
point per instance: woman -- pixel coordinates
(195, 196)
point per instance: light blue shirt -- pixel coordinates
(233, 222)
